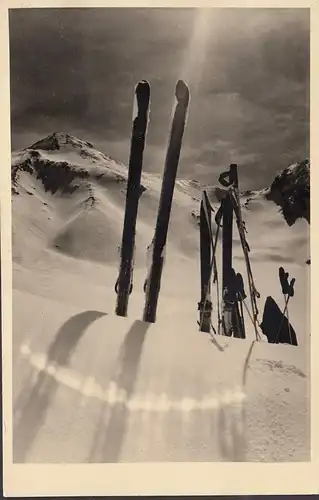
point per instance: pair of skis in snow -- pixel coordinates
(231, 319)
(208, 265)
(140, 122)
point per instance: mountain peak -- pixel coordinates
(64, 163)
(58, 140)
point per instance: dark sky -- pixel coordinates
(74, 70)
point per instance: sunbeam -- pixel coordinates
(195, 54)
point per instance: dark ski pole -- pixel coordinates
(229, 309)
(227, 243)
(123, 285)
(153, 282)
(254, 294)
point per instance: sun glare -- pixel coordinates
(195, 55)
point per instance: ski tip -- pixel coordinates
(143, 84)
(182, 92)
(143, 91)
(206, 199)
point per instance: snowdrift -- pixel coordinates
(91, 387)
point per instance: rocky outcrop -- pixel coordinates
(63, 163)
(291, 191)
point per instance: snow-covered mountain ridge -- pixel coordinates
(66, 163)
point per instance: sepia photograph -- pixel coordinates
(160, 197)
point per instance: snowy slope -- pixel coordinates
(94, 387)
(89, 386)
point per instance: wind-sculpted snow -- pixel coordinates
(91, 387)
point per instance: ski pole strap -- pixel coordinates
(205, 306)
(240, 287)
(116, 288)
(255, 292)
(223, 179)
(242, 224)
(230, 177)
(219, 216)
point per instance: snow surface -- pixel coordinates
(89, 386)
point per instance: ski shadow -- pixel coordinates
(231, 434)
(246, 365)
(232, 423)
(277, 328)
(107, 444)
(33, 402)
(214, 341)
